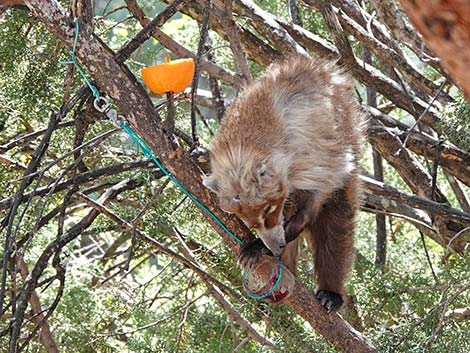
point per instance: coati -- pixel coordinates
(9, 3)
(284, 160)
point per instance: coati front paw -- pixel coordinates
(251, 252)
(331, 301)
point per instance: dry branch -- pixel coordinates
(381, 205)
(32, 280)
(431, 207)
(394, 200)
(391, 57)
(451, 158)
(234, 39)
(387, 143)
(265, 24)
(401, 29)
(461, 313)
(459, 193)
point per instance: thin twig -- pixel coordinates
(417, 121)
(294, 12)
(444, 305)
(428, 258)
(155, 323)
(202, 40)
(234, 40)
(89, 144)
(25, 138)
(136, 219)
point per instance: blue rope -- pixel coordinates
(73, 60)
(147, 152)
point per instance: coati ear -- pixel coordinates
(210, 182)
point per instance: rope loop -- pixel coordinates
(74, 61)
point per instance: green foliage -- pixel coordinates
(456, 123)
(157, 305)
(30, 84)
(400, 306)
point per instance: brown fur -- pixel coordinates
(11, 2)
(285, 161)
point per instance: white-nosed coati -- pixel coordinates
(285, 161)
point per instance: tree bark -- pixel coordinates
(445, 26)
(45, 334)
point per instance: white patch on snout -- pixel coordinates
(274, 239)
(272, 208)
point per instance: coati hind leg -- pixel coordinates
(333, 246)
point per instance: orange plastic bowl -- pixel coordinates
(172, 76)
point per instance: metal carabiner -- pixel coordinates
(101, 104)
(119, 121)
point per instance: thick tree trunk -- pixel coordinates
(445, 26)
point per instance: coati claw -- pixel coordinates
(331, 301)
(251, 252)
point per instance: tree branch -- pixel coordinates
(45, 335)
(385, 141)
(234, 39)
(33, 277)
